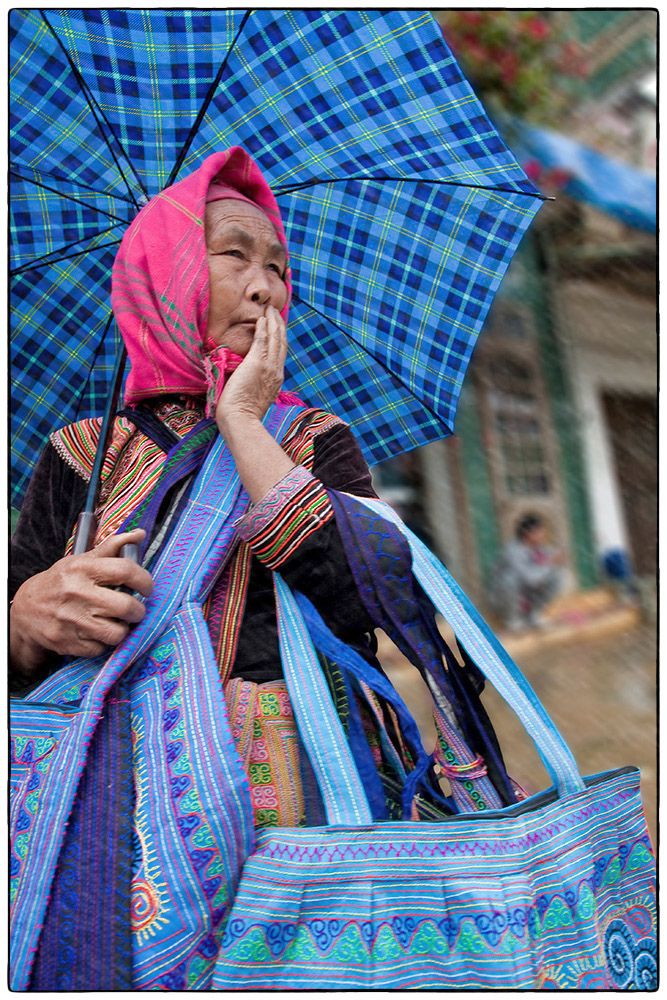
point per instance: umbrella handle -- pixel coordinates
(84, 536)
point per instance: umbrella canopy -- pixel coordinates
(402, 206)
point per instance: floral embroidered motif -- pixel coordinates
(265, 733)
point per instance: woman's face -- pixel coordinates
(246, 264)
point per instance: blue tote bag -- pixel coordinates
(192, 823)
(554, 892)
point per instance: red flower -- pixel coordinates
(533, 170)
(537, 28)
(509, 67)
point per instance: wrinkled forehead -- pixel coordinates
(229, 215)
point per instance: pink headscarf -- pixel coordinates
(160, 282)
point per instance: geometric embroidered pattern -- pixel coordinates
(294, 509)
(478, 903)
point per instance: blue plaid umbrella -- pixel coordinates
(402, 205)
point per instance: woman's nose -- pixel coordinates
(258, 288)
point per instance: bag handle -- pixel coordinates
(192, 555)
(320, 728)
(489, 655)
(321, 731)
(184, 459)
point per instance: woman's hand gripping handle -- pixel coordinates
(75, 608)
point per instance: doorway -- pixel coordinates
(632, 422)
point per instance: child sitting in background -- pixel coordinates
(527, 577)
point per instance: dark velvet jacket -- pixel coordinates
(318, 568)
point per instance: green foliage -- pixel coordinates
(515, 59)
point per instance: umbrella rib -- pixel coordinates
(278, 191)
(68, 180)
(91, 367)
(51, 259)
(67, 197)
(378, 361)
(205, 105)
(95, 110)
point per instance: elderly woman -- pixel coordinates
(196, 319)
(201, 287)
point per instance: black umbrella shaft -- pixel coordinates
(205, 105)
(86, 526)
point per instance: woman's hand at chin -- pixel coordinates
(257, 381)
(246, 397)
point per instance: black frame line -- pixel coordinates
(278, 191)
(68, 197)
(205, 104)
(95, 111)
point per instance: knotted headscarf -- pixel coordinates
(160, 282)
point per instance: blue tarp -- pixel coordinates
(620, 190)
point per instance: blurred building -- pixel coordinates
(559, 412)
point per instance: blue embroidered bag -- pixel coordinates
(192, 815)
(554, 892)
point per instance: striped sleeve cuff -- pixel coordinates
(293, 509)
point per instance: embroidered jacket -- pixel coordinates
(292, 529)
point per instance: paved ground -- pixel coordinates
(602, 697)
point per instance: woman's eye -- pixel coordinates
(278, 270)
(232, 253)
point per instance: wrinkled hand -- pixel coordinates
(257, 381)
(71, 609)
